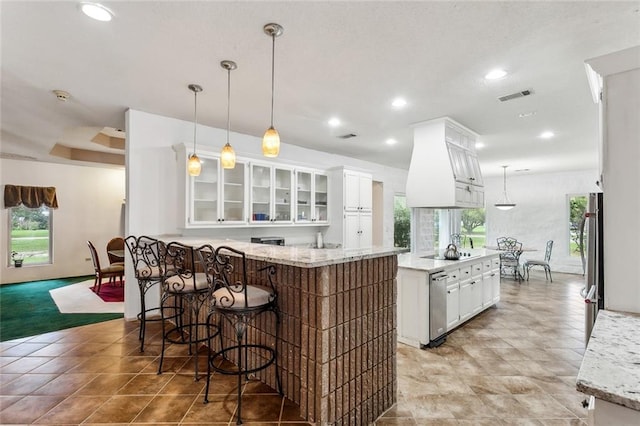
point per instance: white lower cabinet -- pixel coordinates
(358, 230)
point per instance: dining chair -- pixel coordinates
(542, 263)
(510, 251)
(116, 243)
(111, 272)
(238, 302)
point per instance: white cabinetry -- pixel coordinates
(217, 196)
(311, 197)
(413, 298)
(271, 194)
(351, 200)
(444, 170)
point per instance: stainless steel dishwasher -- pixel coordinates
(437, 309)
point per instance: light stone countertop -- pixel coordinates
(418, 262)
(304, 257)
(610, 368)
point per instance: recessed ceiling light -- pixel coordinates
(96, 11)
(334, 122)
(398, 103)
(547, 135)
(495, 74)
(479, 145)
(391, 141)
(527, 114)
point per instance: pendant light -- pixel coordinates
(193, 165)
(505, 203)
(228, 155)
(271, 138)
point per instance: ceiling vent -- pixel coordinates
(515, 95)
(348, 136)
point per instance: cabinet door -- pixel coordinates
(365, 190)
(205, 190)
(351, 191)
(303, 196)
(233, 194)
(453, 306)
(320, 197)
(351, 230)
(366, 230)
(261, 200)
(475, 175)
(487, 289)
(458, 159)
(282, 191)
(465, 300)
(476, 295)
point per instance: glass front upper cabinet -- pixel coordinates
(271, 189)
(311, 197)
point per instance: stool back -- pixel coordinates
(147, 255)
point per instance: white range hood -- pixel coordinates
(444, 172)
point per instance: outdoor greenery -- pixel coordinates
(30, 234)
(402, 222)
(577, 208)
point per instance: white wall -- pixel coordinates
(90, 208)
(541, 212)
(155, 189)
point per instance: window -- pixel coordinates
(31, 235)
(577, 208)
(472, 228)
(401, 222)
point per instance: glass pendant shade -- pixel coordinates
(271, 143)
(271, 138)
(505, 203)
(194, 166)
(228, 157)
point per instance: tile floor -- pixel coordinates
(513, 365)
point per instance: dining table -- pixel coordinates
(520, 276)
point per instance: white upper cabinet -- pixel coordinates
(271, 194)
(444, 170)
(311, 197)
(217, 196)
(358, 194)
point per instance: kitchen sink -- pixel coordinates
(463, 256)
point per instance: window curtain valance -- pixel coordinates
(30, 196)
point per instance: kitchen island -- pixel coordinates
(337, 346)
(436, 295)
(610, 370)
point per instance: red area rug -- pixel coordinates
(111, 292)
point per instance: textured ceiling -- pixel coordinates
(344, 59)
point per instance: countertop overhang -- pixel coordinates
(419, 262)
(610, 368)
(304, 257)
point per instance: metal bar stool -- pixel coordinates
(239, 303)
(147, 255)
(185, 290)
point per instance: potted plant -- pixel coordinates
(17, 258)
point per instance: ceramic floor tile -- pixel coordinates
(26, 384)
(28, 409)
(120, 409)
(73, 410)
(167, 408)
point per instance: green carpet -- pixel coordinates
(27, 309)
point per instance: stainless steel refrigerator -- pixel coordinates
(592, 245)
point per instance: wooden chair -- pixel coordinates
(116, 243)
(111, 272)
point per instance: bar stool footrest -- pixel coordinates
(240, 371)
(184, 331)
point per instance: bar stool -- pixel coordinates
(147, 255)
(185, 289)
(239, 303)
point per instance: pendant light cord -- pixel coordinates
(505, 180)
(228, 103)
(195, 118)
(273, 54)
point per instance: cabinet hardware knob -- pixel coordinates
(448, 291)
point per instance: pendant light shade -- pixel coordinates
(505, 203)
(271, 138)
(228, 155)
(193, 165)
